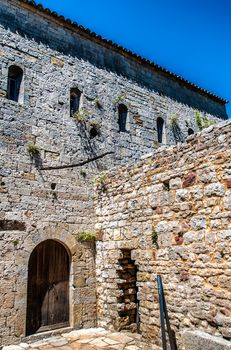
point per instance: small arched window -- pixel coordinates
(75, 96)
(122, 112)
(190, 131)
(161, 130)
(14, 86)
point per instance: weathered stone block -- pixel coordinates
(3, 93)
(197, 340)
(207, 175)
(175, 183)
(198, 222)
(182, 195)
(228, 183)
(80, 282)
(215, 189)
(189, 180)
(57, 61)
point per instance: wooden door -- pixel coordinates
(48, 288)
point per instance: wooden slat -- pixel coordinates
(48, 287)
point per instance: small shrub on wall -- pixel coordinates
(86, 236)
(33, 149)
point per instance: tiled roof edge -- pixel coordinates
(123, 50)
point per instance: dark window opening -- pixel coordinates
(127, 302)
(160, 129)
(15, 75)
(190, 131)
(94, 131)
(166, 185)
(53, 186)
(122, 111)
(75, 96)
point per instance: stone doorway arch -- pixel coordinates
(48, 287)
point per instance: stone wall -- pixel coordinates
(36, 204)
(58, 59)
(61, 36)
(30, 213)
(173, 211)
(15, 250)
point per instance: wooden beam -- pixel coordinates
(89, 160)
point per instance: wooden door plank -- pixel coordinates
(48, 287)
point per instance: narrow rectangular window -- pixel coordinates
(15, 76)
(75, 96)
(122, 112)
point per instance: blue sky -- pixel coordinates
(192, 38)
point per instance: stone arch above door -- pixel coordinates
(82, 311)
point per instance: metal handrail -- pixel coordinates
(164, 318)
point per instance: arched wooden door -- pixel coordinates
(48, 288)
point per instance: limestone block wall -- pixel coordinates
(16, 247)
(172, 210)
(65, 37)
(58, 59)
(37, 205)
(30, 213)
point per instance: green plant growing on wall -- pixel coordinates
(33, 149)
(155, 238)
(86, 236)
(207, 122)
(119, 99)
(82, 115)
(198, 120)
(15, 243)
(99, 180)
(203, 122)
(83, 173)
(174, 121)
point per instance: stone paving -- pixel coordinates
(87, 339)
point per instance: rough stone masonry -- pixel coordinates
(172, 212)
(43, 57)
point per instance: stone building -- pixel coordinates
(169, 214)
(68, 96)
